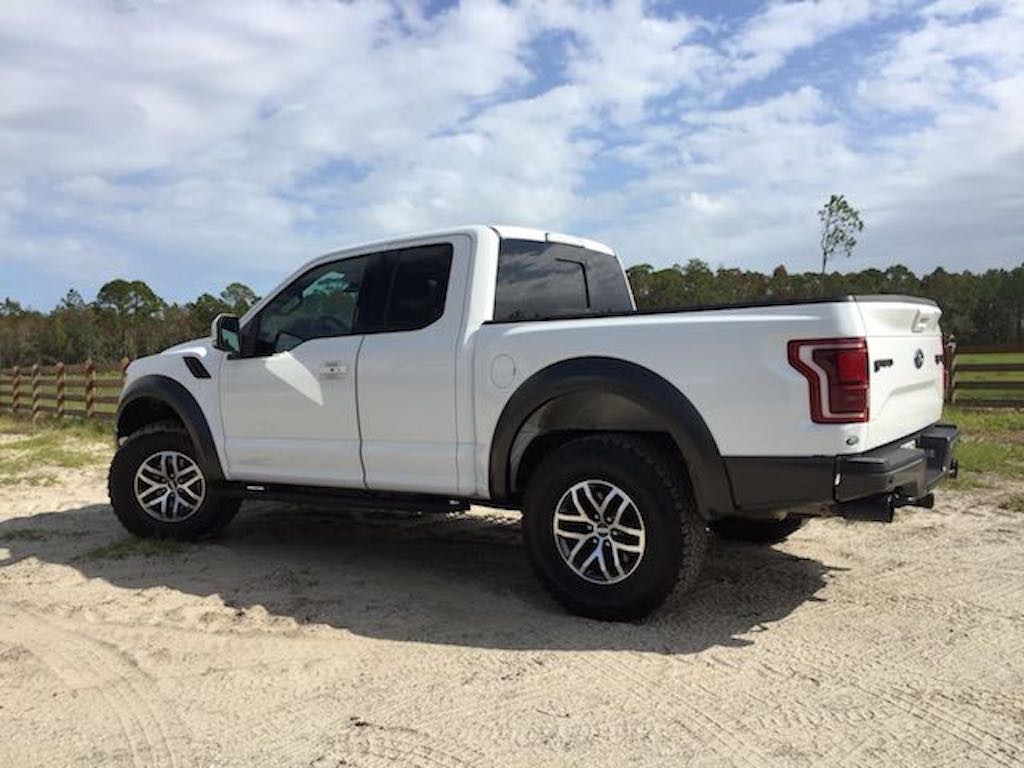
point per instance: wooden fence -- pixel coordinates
(985, 376)
(975, 376)
(87, 390)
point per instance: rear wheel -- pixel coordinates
(159, 490)
(610, 527)
(757, 531)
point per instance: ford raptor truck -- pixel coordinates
(510, 367)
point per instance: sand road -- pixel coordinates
(309, 637)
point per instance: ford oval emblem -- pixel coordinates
(918, 358)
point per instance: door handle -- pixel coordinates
(333, 370)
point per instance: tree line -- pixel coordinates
(128, 319)
(977, 308)
(125, 319)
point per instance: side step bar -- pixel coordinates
(350, 499)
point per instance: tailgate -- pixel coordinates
(905, 359)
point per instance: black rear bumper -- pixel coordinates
(864, 485)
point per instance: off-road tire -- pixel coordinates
(212, 516)
(756, 531)
(676, 536)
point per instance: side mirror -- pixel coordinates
(226, 334)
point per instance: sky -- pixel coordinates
(192, 144)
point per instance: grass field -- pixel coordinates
(31, 454)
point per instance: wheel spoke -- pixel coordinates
(635, 549)
(580, 508)
(574, 535)
(626, 503)
(588, 491)
(149, 493)
(616, 561)
(150, 473)
(601, 562)
(188, 496)
(576, 549)
(590, 559)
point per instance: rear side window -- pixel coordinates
(540, 280)
(419, 284)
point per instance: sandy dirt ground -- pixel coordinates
(310, 637)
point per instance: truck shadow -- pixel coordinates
(458, 579)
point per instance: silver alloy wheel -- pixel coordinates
(169, 486)
(599, 532)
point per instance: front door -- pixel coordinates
(289, 401)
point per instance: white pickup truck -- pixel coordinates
(510, 367)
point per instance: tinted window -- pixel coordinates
(540, 280)
(321, 303)
(418, 286)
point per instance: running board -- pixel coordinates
(350, 499)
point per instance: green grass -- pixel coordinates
(992, 357)
(132, 547)
(992, 442)
(35, 450)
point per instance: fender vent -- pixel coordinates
(195, 365)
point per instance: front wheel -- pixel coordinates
(610, 526)
(159, 490)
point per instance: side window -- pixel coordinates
(320, 303)
(538, 280)
(419, 285)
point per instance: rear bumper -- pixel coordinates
(864, 485)
(910, 471)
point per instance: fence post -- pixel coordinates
(15, 389)
(949, 353)
(60, 390)
(90, 388)
(35, 392)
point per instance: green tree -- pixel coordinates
(840, 222)
(203, 310)
(238, 297)
(130, 307)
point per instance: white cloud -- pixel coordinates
(193, 143)
(764, 42)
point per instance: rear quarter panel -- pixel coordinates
(730, 363)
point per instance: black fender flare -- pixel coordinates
(171, 393)
(707, 470)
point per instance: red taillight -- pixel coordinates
(837, 372)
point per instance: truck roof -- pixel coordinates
(504, 231)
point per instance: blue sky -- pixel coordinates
(191, 144)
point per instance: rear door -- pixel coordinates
(905, 364)
(407, 371)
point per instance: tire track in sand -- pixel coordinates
(148, 726)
